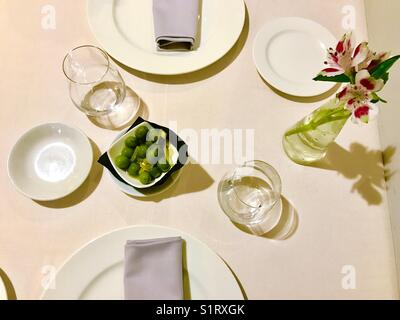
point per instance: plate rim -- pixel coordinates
(184, 234)
(3, 290)
(325, 87)
(185, 70)
(26, 133)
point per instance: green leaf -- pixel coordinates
(376, 98)
(385, 77)
(342, 78)
(381, 70)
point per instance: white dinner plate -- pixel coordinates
(95, 271)
(50, 161)
(290, 52)
(124, 28)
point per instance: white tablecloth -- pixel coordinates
(342, 221)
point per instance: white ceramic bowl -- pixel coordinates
(118, 145)
(50, 161)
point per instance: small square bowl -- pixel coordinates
(118, 145)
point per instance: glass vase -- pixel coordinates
(308, 140)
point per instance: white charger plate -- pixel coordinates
(290, 52)
(50, 161)
(95, 271)
(124, 28)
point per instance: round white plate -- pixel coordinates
(50, 161)
(96, 271)
(290, 52)
(124, 28)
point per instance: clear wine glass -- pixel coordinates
(249, 192)
(95, 84)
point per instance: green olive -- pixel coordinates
(133, 169)
(141, 151)
(127, 152)
(163, 166)
(155, 172)
(145, 177)
(141, 132)
(122, 162)
(131, 142)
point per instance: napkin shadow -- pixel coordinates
(187, 294)
(131, 108)
(197, 43)
(193, 179)
(311, 99)
(201, 74)
(368, 168)
(11, 294)
(285, 227)
(85, 190)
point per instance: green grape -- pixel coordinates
(141, 151)
(122, 162)
(134, 155)
(145, 177)
(127, 152)
(131, 142)
(141, 132)
(155, 172)
(163, 166)
(133, 169)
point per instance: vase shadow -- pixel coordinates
(366, 167)
(201, 74)
(284, 225)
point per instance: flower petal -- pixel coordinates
(361, 53)
(331, 72)
(361, 75)
(365, 113)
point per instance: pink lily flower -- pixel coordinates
(339, 59)
(360, 93)
(364, 58)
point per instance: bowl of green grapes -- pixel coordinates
(143, 156)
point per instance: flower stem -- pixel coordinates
(336, 114)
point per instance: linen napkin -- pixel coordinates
(153, 269)
(175, 23)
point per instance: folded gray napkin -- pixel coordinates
(175, 23)
(153, 269)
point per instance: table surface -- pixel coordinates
(341, 209)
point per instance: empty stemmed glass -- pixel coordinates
(95, 84)
(250, 192)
